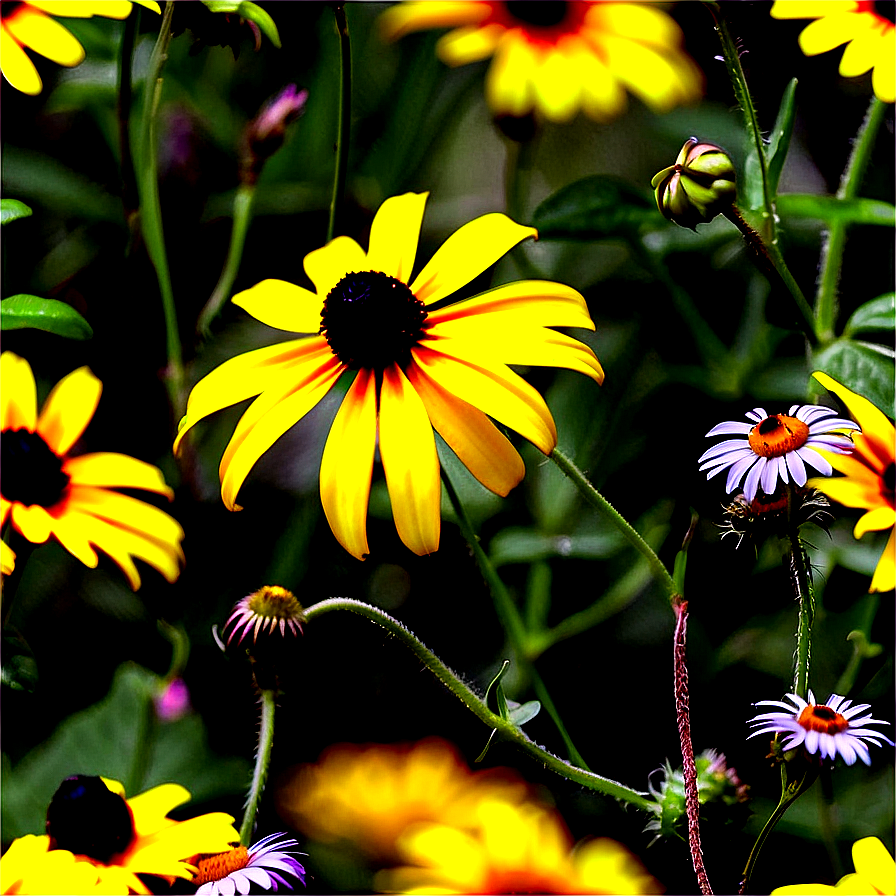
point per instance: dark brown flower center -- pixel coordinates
(885, 9)
(32, 472)
(889, 480)
(8, 8)
(372, 320)
(822, 718)
(88, 819)
(540, 13)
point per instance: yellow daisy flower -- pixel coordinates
(28, 24)
(418, 364)
(865, 27)
(875, 874)
(99, 842)
(515, 848)
(869, 476)
(557, 57)
(46, 491)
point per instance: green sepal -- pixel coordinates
(525, 712)
(488, 743)
(12, 210)
(498, 702)
(19, 669)
(32, 312)
(831, 209)
(251, 11)
(864, 367)
(876, 316)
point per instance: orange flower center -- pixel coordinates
(275, 602)
(822, 718)
(32, 471)
(778, 435)
(215, 868)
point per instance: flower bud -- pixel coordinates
(699, 186)
(265, 134)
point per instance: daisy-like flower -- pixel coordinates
(99, 842)
(29, 24)
(514, 848)
(875, 873)
(47, 491)
(865, 27)
(869, 476)
(262, 865)
(827, 729)
(418, 364)
(557, 57)
(776, 447)
(266, 610)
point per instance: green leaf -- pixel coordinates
(19, 670)
(830, 209)
(499, 704)
(518, 545)
(595, 208)
(250, 11)
(23, 311)
(863, 367)
(876, 316)
(12, 209)
(519, 715)
(779, 140)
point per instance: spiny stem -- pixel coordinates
(345, 116)
(262, 761)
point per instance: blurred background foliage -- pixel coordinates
(98, 652)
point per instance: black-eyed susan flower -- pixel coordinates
(865, 27)
(869, 476)
(45, 490)
(555, 58)
(270, 609)
(513, 848)
(29, 24)
(875, 873)
(99, 842)
(776, 447)
(826, 729)
(418, 365)
(268, 864)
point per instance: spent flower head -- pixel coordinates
(270, 609)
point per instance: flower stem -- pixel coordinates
(862, 648)
(801, 581)
(599, 502)
(475, 704)
(262, 761)
(242, 213)
(129, 198)
(345, 116)
(510, 619)
(832, 252)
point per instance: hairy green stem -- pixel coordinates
(599, 502)
(345, 117)
(801, 581)
(832, 251)
(475, 704)
(262, 761)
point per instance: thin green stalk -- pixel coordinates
(262, 761)
(242, 214)
(475, 704)
(862, 648)
(599, 502)
(832, 252)
(797, 562)
(151, 212)
(345, 116)
(129, 197)
(510, 619)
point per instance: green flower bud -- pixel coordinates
(699, 186)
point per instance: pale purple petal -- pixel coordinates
(757, 414)
(730, 427)
(753, 478)
(797, 468)
(814, 459)
(735, 474)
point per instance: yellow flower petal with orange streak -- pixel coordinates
(494, 389)
(68, 409)
(282, 305)
(877, 519)
(326, 266)
(852, 491)
(33, 522)
(884, 579)
(394, 235)
(84, 9)
(108, 469)
(346, 468)
(7, 558)
(18, 397)
(831, 31)
(469, 251)
(44, 35)
(18, 69)
(471, 43)
(410, 462)
(252, 438)
(5, 507)
(481, 447)
(508, 87)
(403, 18)
(810, 9)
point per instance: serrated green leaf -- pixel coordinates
(876, 316)
(23, 312)
(864, 367)
(779, 140)
(519, 715)
(12, 210)
(251, 11)
(830, 209)
(595, 208)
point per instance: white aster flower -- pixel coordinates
(263, 864)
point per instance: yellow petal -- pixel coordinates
(884, 579)
(603, 96)
(831, 31)
(467, 253)
(477, 442)
(557, 85)
(84, 9)
(394, 235)
(635, 21)
(508, 85)
(883, 79)
(110, 470)
(403, 18)
(44, 35)
(73, 531)
(282, 305)
(469, 44)
(326, 266)
(494, 389)
(18, 397)
(33, 522)
(18, 69)
(7, 560)
(346, 468)
(68, 409)
(410, 462)
(881, 517)
(850, 492)
(862, 51)
(809, 9)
